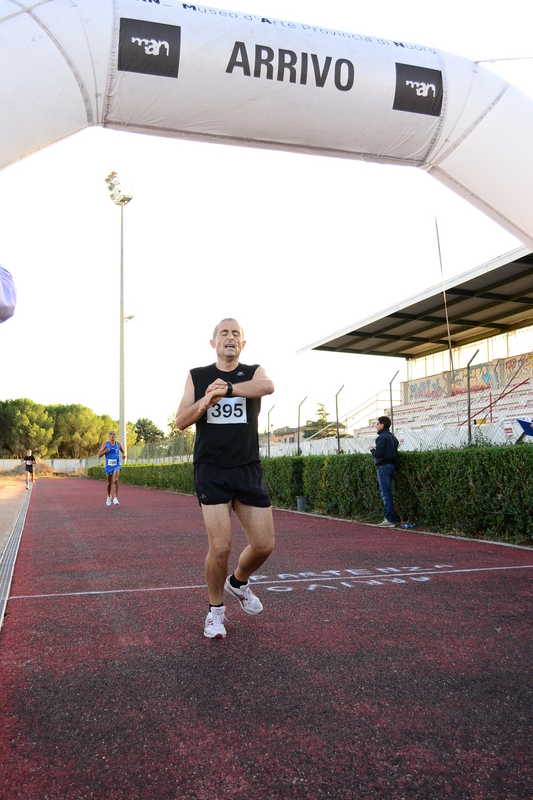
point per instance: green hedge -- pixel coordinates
(284, 479)
(478, 491)
(179, 477)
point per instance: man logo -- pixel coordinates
(418, 90)
(150, 48)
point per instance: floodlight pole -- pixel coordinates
(337, 413)
(122, 411)
(391, 409)
(121, 200)
(299, 407)
(468, 396)
(268, 423)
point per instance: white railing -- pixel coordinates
(59, 464)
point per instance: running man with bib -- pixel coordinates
(112, 450)
(29, 464)
(223, 401)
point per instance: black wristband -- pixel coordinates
(229, 390)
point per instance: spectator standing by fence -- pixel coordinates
(385, 455)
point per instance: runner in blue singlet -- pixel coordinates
(112, 450)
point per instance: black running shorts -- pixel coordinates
(218, 485)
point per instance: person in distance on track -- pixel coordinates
(223, 400)
(112, 450)
(29, 462)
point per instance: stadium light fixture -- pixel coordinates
(120, 199)
(116, 193)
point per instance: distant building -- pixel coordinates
(288, 435)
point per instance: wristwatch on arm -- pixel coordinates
(229, 390)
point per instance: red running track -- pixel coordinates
(387, 664)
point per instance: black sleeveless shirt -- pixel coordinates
(226, 435)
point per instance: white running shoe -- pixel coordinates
(115, 501)
(249, 602)
(108, 501)
(214, 623)
(386, 524)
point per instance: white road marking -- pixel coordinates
(379, 577)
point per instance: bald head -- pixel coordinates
(227, 320)
(228, 341)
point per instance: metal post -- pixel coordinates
(301, 404)
(120, 199)
(268, 423)
(468, 396)
(122, 415)
(337, 414)
(391, 410)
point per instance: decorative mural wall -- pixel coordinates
(494, 375)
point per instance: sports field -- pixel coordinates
(386, 664)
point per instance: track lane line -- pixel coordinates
(286, 582)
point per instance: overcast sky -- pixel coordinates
(294, 246)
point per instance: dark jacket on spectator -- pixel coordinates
(385, 451)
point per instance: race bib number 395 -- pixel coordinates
(229, 411)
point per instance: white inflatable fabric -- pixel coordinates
(192, 71)
(8, 295)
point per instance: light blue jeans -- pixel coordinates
(385, 476)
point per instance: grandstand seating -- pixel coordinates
(498, 412)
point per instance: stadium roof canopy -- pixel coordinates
(486, 301)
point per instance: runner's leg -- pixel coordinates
(217, 521)
(258, 526)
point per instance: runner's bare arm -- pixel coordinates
(103, 449)
(259, 386)
(189, 411)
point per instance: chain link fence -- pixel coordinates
(179, 449)
(165, 452)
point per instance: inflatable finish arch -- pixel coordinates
(191, 71)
